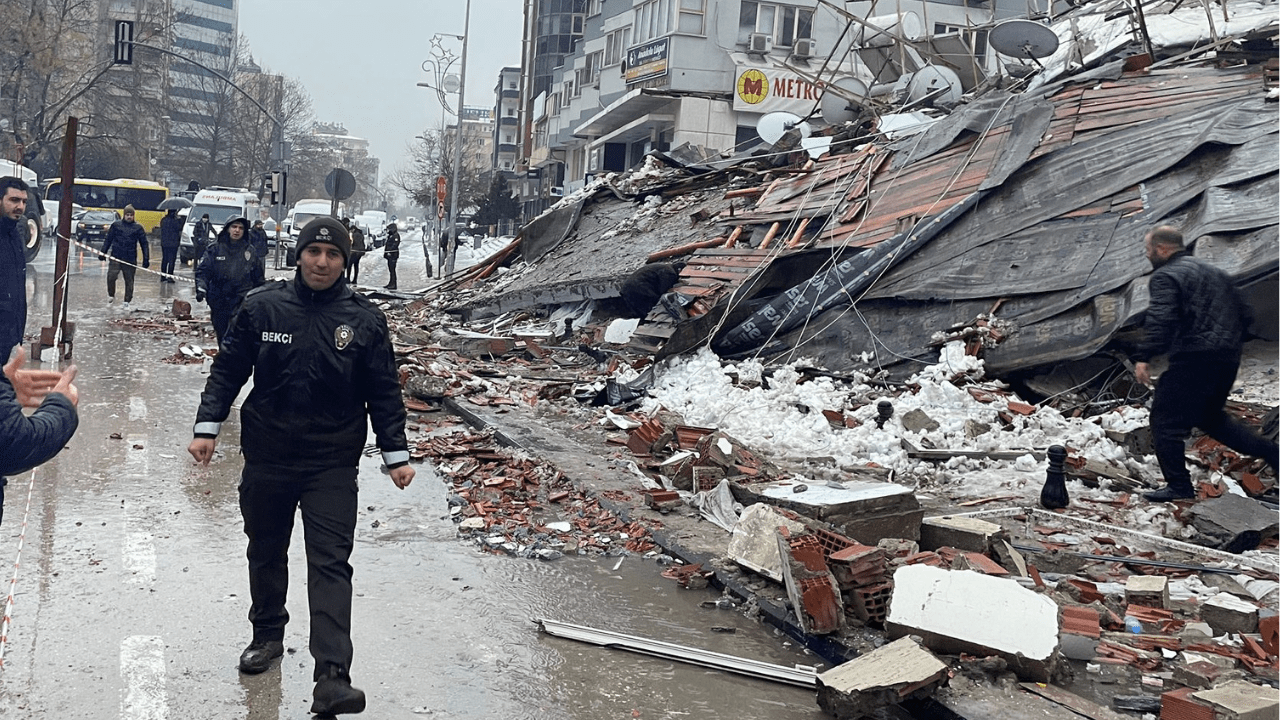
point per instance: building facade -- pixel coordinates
(659, 74)
(205, 31)
(506, 121)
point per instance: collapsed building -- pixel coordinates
(1008, 219)
(1023, 206)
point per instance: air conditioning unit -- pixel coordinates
(760, 43)
(804, 48)
(557, 191)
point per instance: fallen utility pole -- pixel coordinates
(799, 675)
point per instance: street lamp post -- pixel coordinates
(441, 61)
(457, 145)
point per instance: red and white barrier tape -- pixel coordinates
(17, 563)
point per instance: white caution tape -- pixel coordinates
(99, 253)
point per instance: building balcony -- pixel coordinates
(511, 94)
(511, 120)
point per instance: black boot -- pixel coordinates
(334, 695)
(1171, 492)
(258, 656)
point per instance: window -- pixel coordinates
(616, 44)
(655, 18)
(975, 38)
(594, 7)
(692, 17)
(784, 23)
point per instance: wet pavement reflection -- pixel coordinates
(131, 594)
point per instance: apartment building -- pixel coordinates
(205, 31)
(506, 121)
(657, 74)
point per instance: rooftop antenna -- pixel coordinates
(1023, 39)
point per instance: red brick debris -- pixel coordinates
(516, 498)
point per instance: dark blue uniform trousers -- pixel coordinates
(269, 499)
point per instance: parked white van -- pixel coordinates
(220, 204)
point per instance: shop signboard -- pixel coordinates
(761, 89)
(648, 61)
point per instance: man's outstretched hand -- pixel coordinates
(31, 386)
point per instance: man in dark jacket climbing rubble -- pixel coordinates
(1198, 318)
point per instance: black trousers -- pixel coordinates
(269, 499)
(168, 258)
(220, 312)
(1191, 394)
(353, 267)
(391, 270)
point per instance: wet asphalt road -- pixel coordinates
(131, 591)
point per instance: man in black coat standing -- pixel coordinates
(26, 440)
(391, 251)
(1197, 316)
(170, 240)
(121, 246)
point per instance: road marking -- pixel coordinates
(137, 408)
(142, 670)
(139, 563)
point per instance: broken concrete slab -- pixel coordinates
(863, 510)
(752, 544)
(1233, 523)
(1240, 700)
(962, 533)
(1149, 590)
(1227, 613)
(882, 677)
(960, 611)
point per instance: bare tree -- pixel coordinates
(429, 159)
(56, 60)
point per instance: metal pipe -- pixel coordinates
(799, 675)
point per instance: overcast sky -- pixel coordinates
(361, 61)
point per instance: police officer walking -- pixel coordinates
(229, 269)
(323, 368)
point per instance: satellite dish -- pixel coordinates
(1023, 39)
(933, 84)
(774, 125)
(842, 100)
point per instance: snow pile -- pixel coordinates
(783, 418)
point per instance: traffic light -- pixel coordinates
(124, 43)
(274, 185)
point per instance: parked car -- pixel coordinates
(91, 228)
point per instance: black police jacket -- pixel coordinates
(322, 368)
(228, 270)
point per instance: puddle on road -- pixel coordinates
(442, 628)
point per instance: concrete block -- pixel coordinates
(1240, 700)
(961, 533)
(864, 510)
(1148, 590)
(1199, 675)
(1227, 613)
(1233, 523)
(883, 677)
(753, 544)
(960, 611)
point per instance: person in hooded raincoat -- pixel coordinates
(229, 269)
